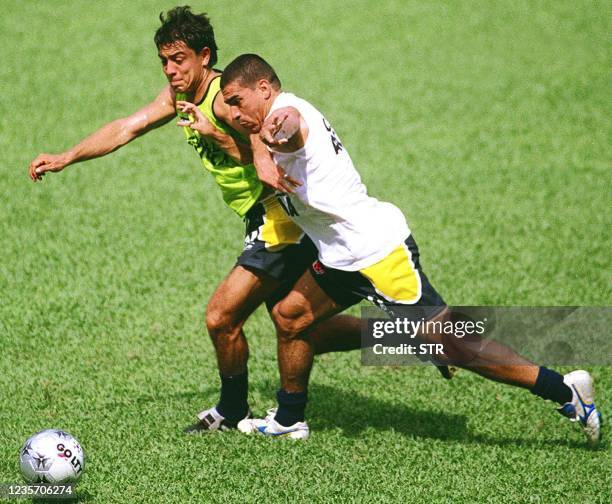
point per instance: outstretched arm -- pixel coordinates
(109, 137)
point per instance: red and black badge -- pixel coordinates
(318, 268)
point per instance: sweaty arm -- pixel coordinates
(109, 137)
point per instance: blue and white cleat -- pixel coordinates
(582, 407)
(270, 427)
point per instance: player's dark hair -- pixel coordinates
(193, 29)
(248, 69)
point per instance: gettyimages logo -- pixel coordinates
(558, 335)
(412, 328)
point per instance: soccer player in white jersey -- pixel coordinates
(366, 251)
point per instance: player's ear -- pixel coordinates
(265, 88)
(205, 54)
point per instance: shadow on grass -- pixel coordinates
(330, 408)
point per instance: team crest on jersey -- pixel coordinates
(318, 268)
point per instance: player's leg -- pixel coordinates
(275, 255)
(234, 300)
(340, 333)
(394, 277)
(295, 317)
(398, 280)
(574, 392)
(256, 276)
(236, 297)
(492, 360)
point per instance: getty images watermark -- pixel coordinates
(415, 330)
(560, 335)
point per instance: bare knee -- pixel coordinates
(222, 325)
(290, 321)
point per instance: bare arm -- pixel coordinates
(268, 171)
(109, 137)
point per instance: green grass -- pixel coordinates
(488, 123)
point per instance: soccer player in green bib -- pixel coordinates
(276, 251)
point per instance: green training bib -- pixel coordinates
(239, 184)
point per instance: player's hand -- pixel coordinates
(273, 175)
(46, 163)
(279, 127)
(197, 121)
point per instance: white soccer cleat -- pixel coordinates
(251, 425)
(582, 407)
(212, 420)
(270, 427)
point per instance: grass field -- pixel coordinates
(487, 123)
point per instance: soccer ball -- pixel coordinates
(52, 456)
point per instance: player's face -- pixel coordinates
(247, 106)
(183, 67)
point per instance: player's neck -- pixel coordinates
(208, 75)
(271, 100)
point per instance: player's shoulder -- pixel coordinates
(167, 98)
(287, 99)
(218, 103)
(167, 93)
(158, 111)
(290, 100)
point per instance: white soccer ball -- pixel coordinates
(52, 456)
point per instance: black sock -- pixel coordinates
(233, 404)
(549, 385)
(291, 406)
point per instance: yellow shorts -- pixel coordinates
(395, 280)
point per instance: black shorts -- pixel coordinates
(276, 246)
(395, 281)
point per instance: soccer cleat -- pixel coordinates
(211, 420)
(582, 406)
(270, 427)
(251, 425)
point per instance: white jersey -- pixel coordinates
(350, 229)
